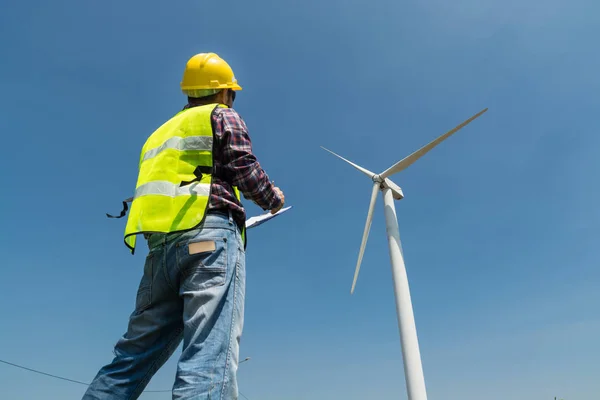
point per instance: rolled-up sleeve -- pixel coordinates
(240, 166)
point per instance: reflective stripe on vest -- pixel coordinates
(171, 157)
(181, 144)
(163, 188)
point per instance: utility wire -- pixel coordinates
(65, 379)
(79, 382)
(43, 373)
(242, 394)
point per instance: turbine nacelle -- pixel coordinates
(396, 190)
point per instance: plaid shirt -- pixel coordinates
(235, 164)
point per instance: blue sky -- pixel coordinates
(498, 223)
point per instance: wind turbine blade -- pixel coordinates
(358, 167)
(365, 234)
(408, 161)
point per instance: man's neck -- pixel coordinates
(191, 103)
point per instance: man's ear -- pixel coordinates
(229, 96)
(224, 97)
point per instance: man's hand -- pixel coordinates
(279, 194)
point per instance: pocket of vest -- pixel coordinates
(202, 263)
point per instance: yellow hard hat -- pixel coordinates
(208, 71)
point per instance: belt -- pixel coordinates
(225, 213)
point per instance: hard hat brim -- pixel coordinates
(234, 86)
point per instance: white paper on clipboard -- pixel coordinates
(253, 222)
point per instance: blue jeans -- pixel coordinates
(193, 290)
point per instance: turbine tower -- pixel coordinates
(413, 369)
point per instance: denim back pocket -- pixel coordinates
(202, 263)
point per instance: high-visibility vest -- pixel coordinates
(175, 175)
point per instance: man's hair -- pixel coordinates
(203, 100)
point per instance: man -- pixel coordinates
(187, 205)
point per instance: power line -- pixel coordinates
(79, 382)
(43, 373)
(242, 394)
(63, 378)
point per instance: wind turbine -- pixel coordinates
(413, 369)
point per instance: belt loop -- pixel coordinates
(230, 217)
